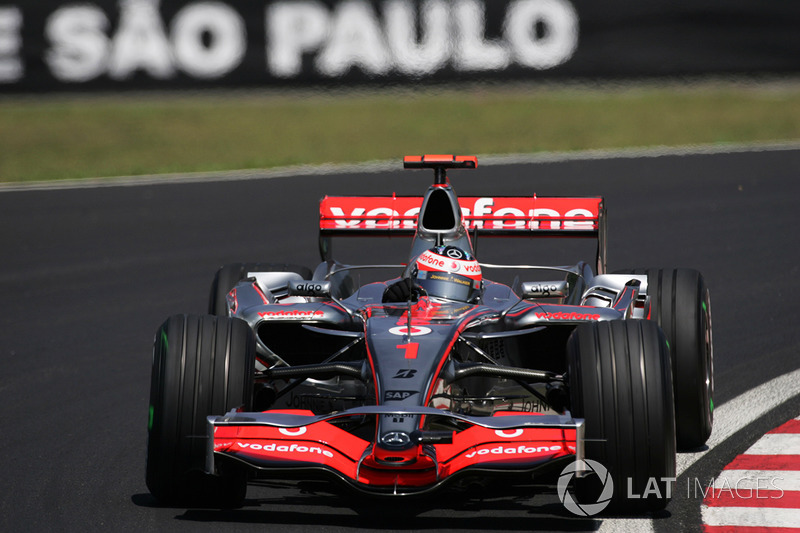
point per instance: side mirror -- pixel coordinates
(310, 289)
(545, 289)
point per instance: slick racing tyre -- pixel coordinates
(681, 305)
(202, 366)
(228, 276)
(620, 383)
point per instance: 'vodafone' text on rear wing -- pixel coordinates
(528, 216)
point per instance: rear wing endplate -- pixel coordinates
(500, 216)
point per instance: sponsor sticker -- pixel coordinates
(520, 449)
(509, 434)
(284, 448)
(568, 316)
(293, 432)
(402, 331)
(293, 314)
(506, 213)
(397, 395)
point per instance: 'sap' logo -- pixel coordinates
(397, 395)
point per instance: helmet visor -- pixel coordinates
(447, 285)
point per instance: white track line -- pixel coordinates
(375, 167)
(729, 418)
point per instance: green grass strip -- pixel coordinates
(77, 137)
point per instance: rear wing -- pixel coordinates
(527, 216)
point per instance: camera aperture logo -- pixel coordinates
(585, 509)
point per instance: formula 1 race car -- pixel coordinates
(437, 376)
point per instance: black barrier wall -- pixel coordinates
(57, 45)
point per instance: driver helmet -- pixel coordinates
(449, 272)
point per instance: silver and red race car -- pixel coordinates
(435, 376)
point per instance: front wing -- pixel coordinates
(300, 440)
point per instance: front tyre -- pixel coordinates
(202, 366)
(620, 383)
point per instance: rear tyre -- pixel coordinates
(202, 366)
(680, 303)
(228, 276)
(620, 383)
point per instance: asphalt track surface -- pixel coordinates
(87, 275)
